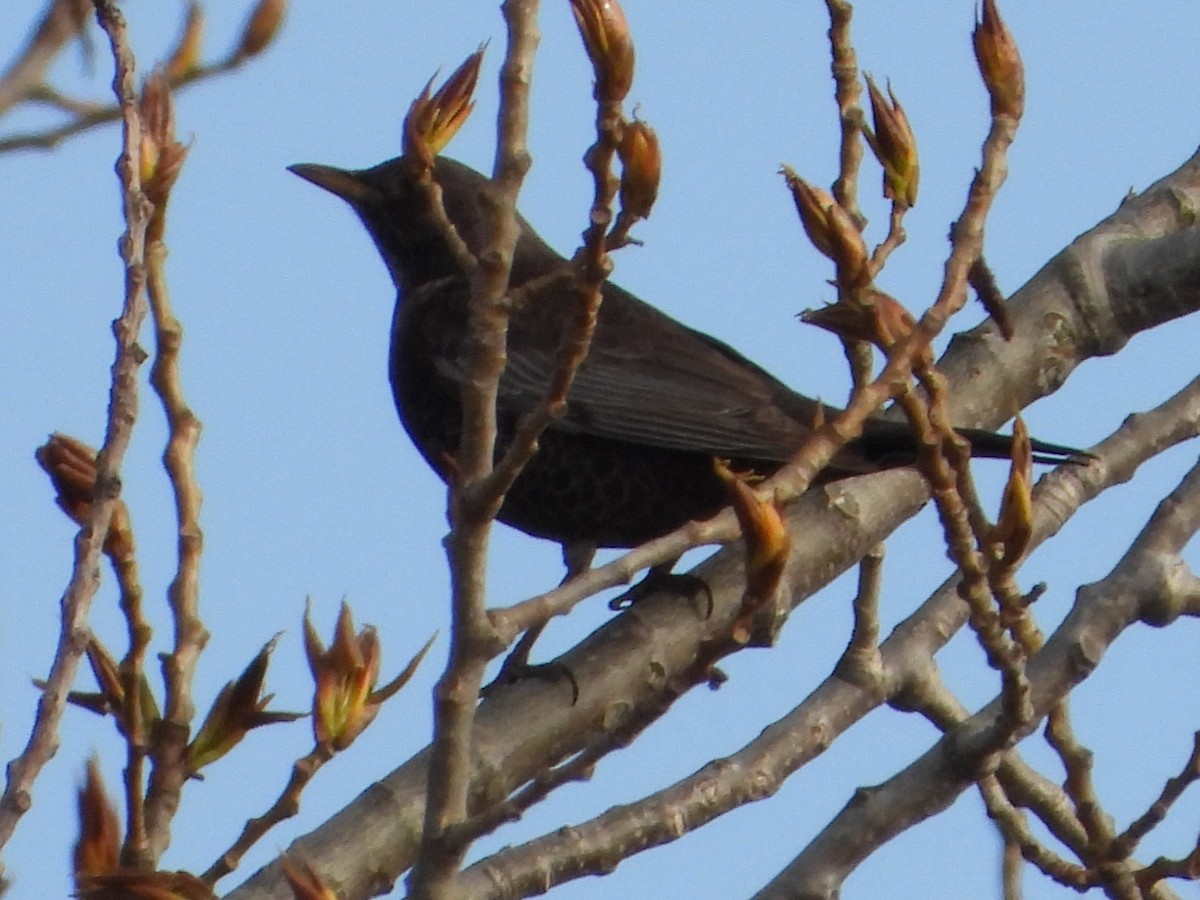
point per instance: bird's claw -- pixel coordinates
(658, 580)
(512, 672)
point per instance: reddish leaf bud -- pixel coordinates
(71, 465)
(98, 849)
(261, 28)
(141, 884)
(161, 155)
(641, 169)
(767, 545)
(606, 36)
(874, 317)
(831, 230)
(185, 58)
(999, 63)
(1014, 526)
(239, 707)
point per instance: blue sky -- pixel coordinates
(312, 489)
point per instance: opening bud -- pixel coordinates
(894, 146)
(433, 119)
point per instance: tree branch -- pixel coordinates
(122, 413)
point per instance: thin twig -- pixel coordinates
(284, 807)
(861, 663)
(591, 271)
(133, 715)
(1126, 842)
(847, 90)
(961, 544)
(472, 640)
(63, 20)
(90, 116)
(895, 237)
(170, 772)
(1016, 832)
(122, 413)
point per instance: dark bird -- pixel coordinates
(652, 404)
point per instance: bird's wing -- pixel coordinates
(650, 380)
(647, 380)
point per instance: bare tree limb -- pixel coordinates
(473, 505)
(122, 413)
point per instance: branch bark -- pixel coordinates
(122, 413)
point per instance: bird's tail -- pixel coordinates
(886, 443)
(989, 445)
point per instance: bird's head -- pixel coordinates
(399, 215)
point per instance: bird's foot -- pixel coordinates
(516, 667)
(577, 557)
(661, 578)
(511, 673)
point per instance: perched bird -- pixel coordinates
(651, 405)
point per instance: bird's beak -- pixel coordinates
(347, 185)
